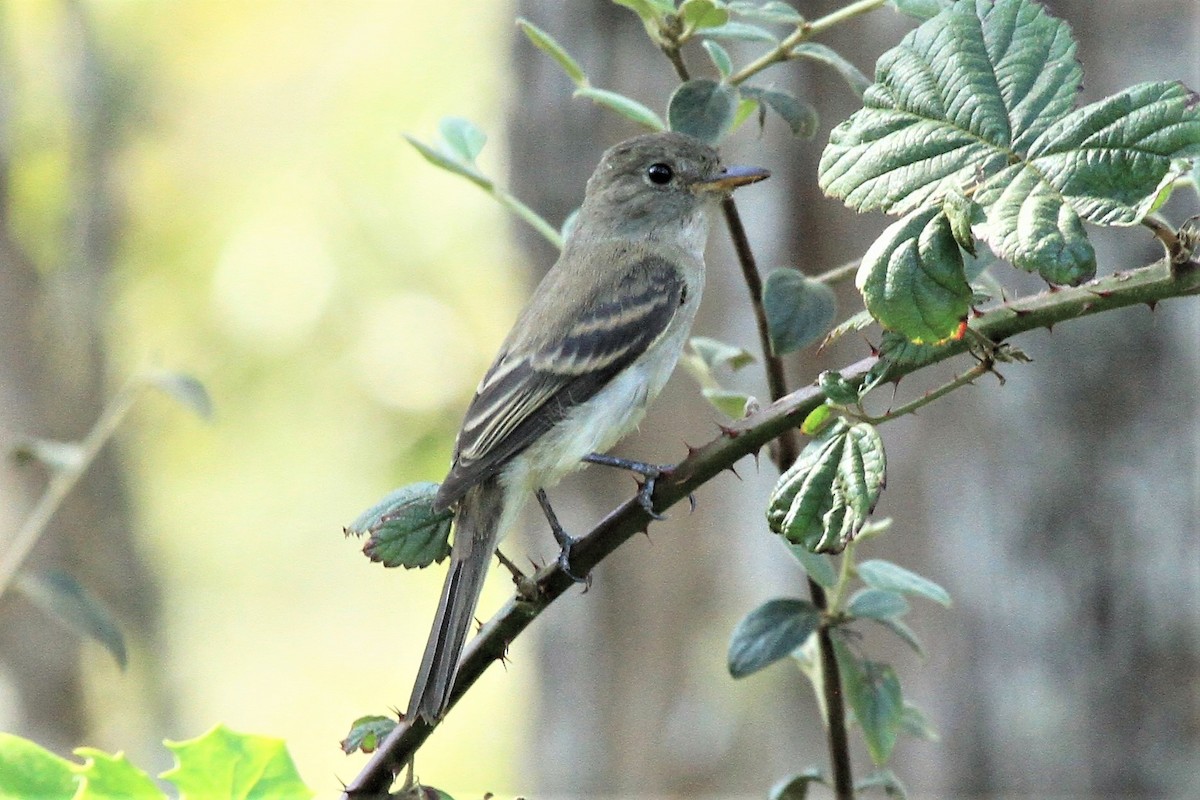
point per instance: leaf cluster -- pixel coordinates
(970, 131)
(218, 765)
(786, 627)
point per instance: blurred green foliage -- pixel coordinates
(279, 240)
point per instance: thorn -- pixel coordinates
(1152, 304)
(691, 451)
(1020, 312)
(1050, 327)
(732, 469)
(757, 462)
(976, 313)
(731, 433)
(1088, 306)
(874, 350)
(692, 502)
(1103, 293)
(1054, 288)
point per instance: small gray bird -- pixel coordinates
(599, 338)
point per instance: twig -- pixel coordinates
(63, 481)
(979, 370)
(838, 274)
(803, 32)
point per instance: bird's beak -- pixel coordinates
(730, 178)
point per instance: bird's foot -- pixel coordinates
(565, 541)
(650, 472)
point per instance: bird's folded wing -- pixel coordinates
(526, 392)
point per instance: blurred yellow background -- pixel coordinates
(286, 246)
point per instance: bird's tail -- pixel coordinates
(477, 529)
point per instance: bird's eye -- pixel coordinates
(660, 174)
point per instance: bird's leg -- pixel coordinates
(564, 539)
(651, 472)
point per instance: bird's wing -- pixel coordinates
(528, 390)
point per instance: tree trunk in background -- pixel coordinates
(1058, 510)
(53, 386)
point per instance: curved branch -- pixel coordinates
(1147, 285)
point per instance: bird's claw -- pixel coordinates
(645, 497)
(564, 561)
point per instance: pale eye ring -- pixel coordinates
(660, 174)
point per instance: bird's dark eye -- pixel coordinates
(660, 174)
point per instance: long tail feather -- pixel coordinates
(477, 524)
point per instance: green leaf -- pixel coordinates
(837, 389)
(824, 499)
(770, 632)
(715, 353)
(877, 604)
(222, 763)
(720, 58)
(963, 213)
(112, 777)
(903, 632)
(874, 694)
(1030, 226)
(800, 116)
(56, 456)
(818, 566)
(741, 32)
(464, 139)
(403, 529)
(703, 109)
(366, 733)
(623, 105)
(912, 278)
(936, 116)
(855, 322)
(873, 528)
(548, 45)
(184, 389)
(795, 787)
(1104, 163)
(799, 310)
(451, 164)
(30, 771)
(914, 723)
(649, 10)
(63, 598)
(698, 14)
(817, 420)
(832, 58)
(894, 348)
(895, 578)
(981, 96)
(921, 9)
(773, 12)
(729, 402)
(883, 779)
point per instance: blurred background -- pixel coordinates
(222, 188)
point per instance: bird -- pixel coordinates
(593, 347)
